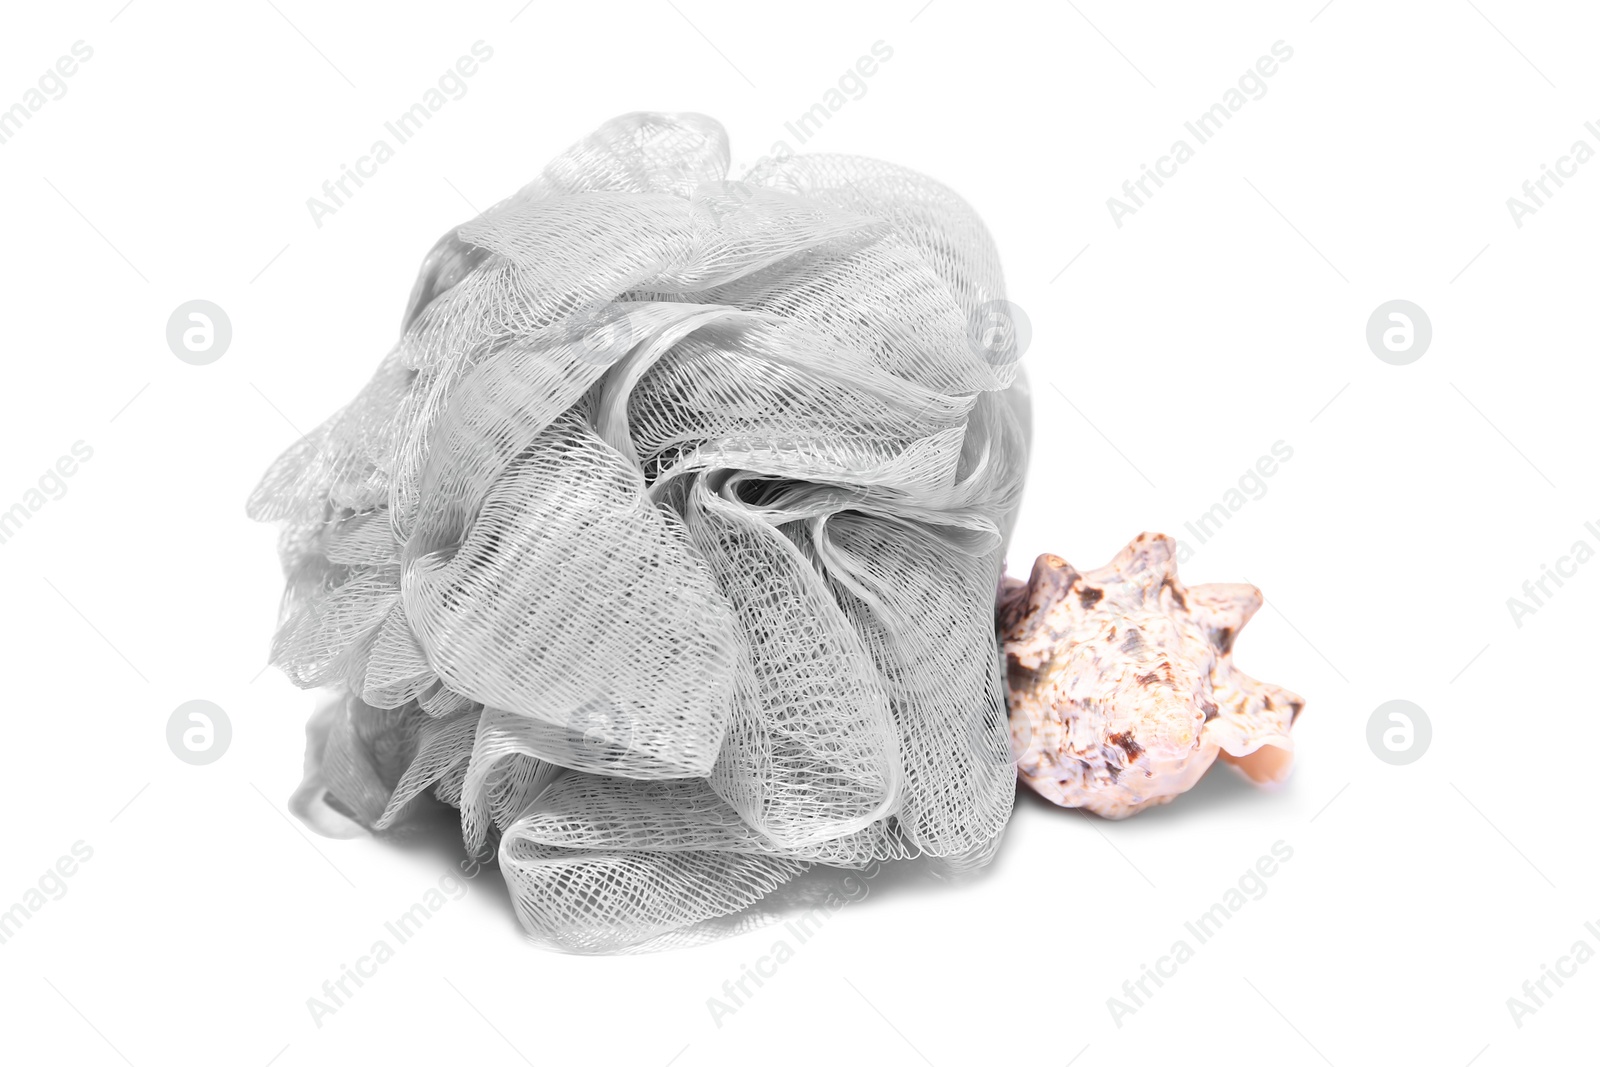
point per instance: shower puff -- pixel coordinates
(664, 542)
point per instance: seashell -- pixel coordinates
(1121, 684)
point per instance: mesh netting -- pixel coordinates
(664, 542)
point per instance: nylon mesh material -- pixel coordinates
(663, 544)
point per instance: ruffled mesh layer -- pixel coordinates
(664, 542)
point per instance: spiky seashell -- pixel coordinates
(1121, 684)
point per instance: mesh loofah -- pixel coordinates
(664, 542)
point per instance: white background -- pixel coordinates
(1227, 314)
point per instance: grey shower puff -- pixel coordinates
(664, 541)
